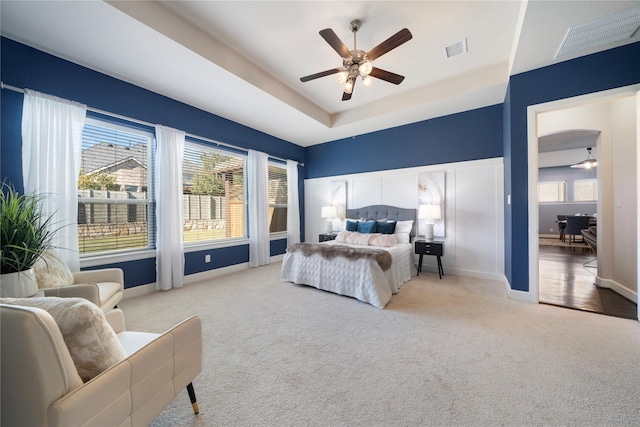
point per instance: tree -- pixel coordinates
(97, 181)
(206, 181)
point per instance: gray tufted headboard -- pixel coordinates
(385, 211)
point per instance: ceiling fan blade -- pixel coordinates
(391, 43)
(320, 74)
(335, 43)
(346, 96)
(388, 76)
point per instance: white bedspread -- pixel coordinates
(362, 279)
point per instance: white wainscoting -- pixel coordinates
(474, 235)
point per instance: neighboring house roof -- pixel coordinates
(116, 164)
(105, 155)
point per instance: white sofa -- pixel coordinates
(41, 387)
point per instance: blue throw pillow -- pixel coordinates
(366, 227)
(388, 227)
(352, 226)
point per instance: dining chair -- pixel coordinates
(575, 225)
(562, 224)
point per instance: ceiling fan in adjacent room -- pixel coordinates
(357, 63)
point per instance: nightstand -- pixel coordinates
(326, 237)
(430, 248)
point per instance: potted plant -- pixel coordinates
(25, 233)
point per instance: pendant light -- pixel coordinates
(591, 161)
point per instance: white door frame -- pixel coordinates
(532, 153)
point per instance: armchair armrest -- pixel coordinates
(98, 276)
(110, 283)
(88, 291)
(115, 318)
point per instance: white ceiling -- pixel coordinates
(243, 60)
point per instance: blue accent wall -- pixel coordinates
(471, 135)
(26, 67)
(594, 73)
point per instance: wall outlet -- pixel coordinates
(207, 258)
(551, 230)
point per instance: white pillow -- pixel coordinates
(403, 229)
(91, 341)
(51, 271)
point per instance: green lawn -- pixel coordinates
(140, 241)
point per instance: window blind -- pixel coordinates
(554, 191)
(277, 198)
(114, 189)
(585, 190)
(214, 193)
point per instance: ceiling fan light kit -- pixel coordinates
(357, 63)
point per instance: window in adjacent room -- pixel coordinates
(552, 191)
(214, 193)
(277, 198)
(585, 190)
(115, 202)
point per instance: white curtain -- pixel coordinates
(51, 150)
(168, 181)
(293, 207)
(258, 189)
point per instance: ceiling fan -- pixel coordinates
(357, 62)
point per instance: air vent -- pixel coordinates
(456, 48)
(601, 32)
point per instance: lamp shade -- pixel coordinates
(429, 212)
(329, 212)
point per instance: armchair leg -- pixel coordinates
(192, 397)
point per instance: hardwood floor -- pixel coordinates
(564, 281)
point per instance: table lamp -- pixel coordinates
(329, 212)
(431, 213)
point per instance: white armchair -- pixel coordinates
(104, 287)
(41, 385)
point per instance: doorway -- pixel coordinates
(610, 205)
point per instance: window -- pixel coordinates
(554, 191)
(277, 198)
(213, 188)
(115, 203)
(585, 190)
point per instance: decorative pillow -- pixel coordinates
(385, 227)
(367, 227)
(51, 271)
(341, 237)
(91, 341)
(346, 220)
(386, 240)
(351, 225)
(354, 238)
(402, 231)
(361, 239)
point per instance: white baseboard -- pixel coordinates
(521, 296)
(149, 288)
(139, 291)
(618, 288)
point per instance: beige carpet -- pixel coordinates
(444, 352)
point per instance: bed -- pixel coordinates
(367, 272)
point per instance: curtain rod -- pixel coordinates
(3, 85)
